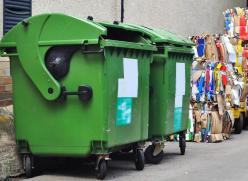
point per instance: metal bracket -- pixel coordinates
(90, 49)
(159, 146)
(99, 158)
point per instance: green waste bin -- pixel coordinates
(170, 90)
(79, 89)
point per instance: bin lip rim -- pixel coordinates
(169, 45)
(187, 50)
(127, 27)
(103, 43)
(156, 37)
(125, 44)
(119, 26)
(7, 44)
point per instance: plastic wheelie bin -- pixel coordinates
(169, 90)
(78, 89)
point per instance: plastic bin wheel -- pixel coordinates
(182, 143)
(238, 124)
(139, 159)
(28, 165)
(102, 169)
(150, 157)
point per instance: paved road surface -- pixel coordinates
(226, 161)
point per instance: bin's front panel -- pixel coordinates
(177, 73)
(128, 89)
(169, 101)
(158, 101)
(54, 128)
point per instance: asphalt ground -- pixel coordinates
(225, 161)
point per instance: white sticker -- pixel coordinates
(180, 92)
(180, 79)
(179, 101)
(128, 86)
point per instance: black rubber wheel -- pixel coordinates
(150, 158)
(182, 143)
(102, 169)
(139, 159)
(182, 150)
(28, 166)
(238, 124)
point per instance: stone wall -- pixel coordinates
(5, 83)
(10, 164)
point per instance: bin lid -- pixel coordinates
(53, 29)
(162, 36)
(124, 31)
(31, 39)
(120, 25)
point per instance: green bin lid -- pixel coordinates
(124, 32)
(120, 25)
(162, 36)
(53, 29)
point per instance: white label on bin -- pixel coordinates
(180, 92)
(127, 90)
(128, 86)
(180, 79)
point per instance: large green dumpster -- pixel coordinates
(170, 90)
(78, 88)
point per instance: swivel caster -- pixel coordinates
(28, 165)
(154, 155)
(182, 143)
(139, 159)
(101, 169)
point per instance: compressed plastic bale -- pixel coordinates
(226, 125)
(204, 120)
(196, 75)
(216, 127)
(220, 101)
(236, 91)
(197, 116)
(216, 123)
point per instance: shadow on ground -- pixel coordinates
(119, 165)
